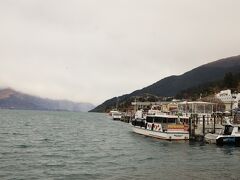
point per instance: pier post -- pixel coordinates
(197, 120)
(203, 125)
(214, 123)
(190, 127)
(194, 125)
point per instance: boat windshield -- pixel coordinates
(228, 130)
(160, 120)
(149, 119)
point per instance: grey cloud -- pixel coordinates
(91, 50)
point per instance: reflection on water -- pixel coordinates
(65, 145)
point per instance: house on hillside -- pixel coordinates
(230, 100)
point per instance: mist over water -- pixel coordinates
(66, 145)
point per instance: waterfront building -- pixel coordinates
(162, 106)
(230, 100)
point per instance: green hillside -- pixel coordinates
(174, 85)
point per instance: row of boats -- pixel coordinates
(167, 126)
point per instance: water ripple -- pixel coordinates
(65, 145)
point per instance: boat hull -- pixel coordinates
(229, 140)
(117, 117)
(221, 140)
(161, 135)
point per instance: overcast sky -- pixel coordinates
(92, 50)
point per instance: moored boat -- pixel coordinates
(162, 126)
(230, 135)
(116, 115)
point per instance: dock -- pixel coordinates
(204, 117)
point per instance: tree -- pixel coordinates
(229, 80)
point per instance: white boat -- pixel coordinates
(230, 135)
(162, 126)
(116, 115)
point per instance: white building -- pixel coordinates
(231, 100)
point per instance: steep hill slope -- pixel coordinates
(172, 85)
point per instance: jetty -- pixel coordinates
(204, 117)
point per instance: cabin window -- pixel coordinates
(149, 119)
(158, 120)
(172, 120)
(228, 130)
(238, 129)
(164, 120)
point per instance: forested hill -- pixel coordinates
(230, 81)
(172, 85)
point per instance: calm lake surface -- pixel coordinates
(66, 145)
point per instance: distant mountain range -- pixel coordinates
(172, 85)
(11, 99)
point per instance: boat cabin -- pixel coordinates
(231, 130)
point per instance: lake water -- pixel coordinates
(66, 145)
